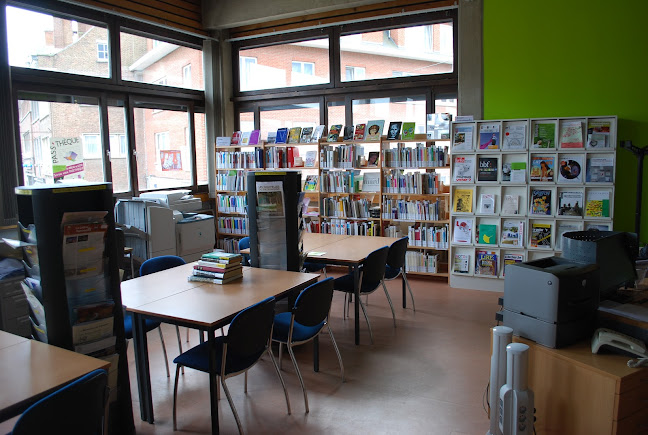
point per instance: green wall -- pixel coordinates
(574, 58)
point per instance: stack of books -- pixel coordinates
(217, 268)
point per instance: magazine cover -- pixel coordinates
(374, 130)
(359, 132)
(254, 137)
(541, 202)
(510, 205)
(462, 201)
(542, 168)
(393, 132)
(462, 138)
(318, 133)
(487, 203)
(462, 232)
(544, 135)
(598, 203)
(236, 138)
(571, 134)
(334, 133)
(487, 234)
(598, 134)
(489, 136)
(511, 259)
(570, 203)
(282, 135)
(348, 132)
(512, 233)
(541, 235)
(570, 169)
(409, 129)
(514, 136)
(461, 263)
(599, 169)
(486, 263)
(306, 134)
(463, 169)
(487, 170)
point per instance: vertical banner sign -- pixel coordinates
(171, 160)
(67, 157)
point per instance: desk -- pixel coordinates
(169, 297)
(32, 370)
(348, 251)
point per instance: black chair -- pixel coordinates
(247, 339)
(372, 272)
(396, 265)
(314, 267)
(77, 408)
(244, 243)
(307, 319)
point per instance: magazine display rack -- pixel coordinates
(518, 184)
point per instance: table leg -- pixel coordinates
(142, 368)
(316, 354)
(356, 302)
(213, 381)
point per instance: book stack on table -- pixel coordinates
(217, 268)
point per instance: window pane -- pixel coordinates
(201, 147)
(446, 105)
(61, 141)
(408, 51)
(336, 113)
(246, 121)
(289, 115)
(404, 109)
(160, 141)
(43, 42)
(119, 161)
(272, 66)
(148, 60)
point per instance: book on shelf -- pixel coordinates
(598, 134)
(282, 135)
(544, 135)
(510, 205)
(461, 263)
(311, 159)
(334, 133)
(462, 201)
(489, 136)
(394, 130)
(223, 141)
(462, 232)
(372, 159)
(310, 184)
(371, 182)
(570, 203)
(214, 280)
(486, 263)
(409, 130)
(512, 233)
(487, 203)
(272, 137)
(540, 202)
(542, 168)
(511, 259)
(571, 134)
(540, 235)
(462, 138)
(318, 133)
(236, 138)
(374, 130)
(570, 169)
(463, 169)
(254, 137)
(245, 138)
(598, 203)
(487, 169)
(359, 133)
(562, 229)
(438, 125)
(348, 132)
(487, 234)
(306, 134)
(599, 169)
(294, 134)
(514, 136)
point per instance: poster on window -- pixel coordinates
(171, 160)
(66, 154)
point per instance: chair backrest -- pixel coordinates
(397, 251)
(249, 332)
(314, 303)
(373, 269)
(244, 243)
(76, 408)
(163, 262)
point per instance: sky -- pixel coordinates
(25, 33)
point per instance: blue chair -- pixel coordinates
(372, 272)
(247, 339)
(153, 265)
(396, 265)
(307, 319)
(244, 243)
(77, 408)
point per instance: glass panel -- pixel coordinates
(60, 141)
(336, 113)
(408, 51)
(404, 109)
(119, 149)
(446, 105)
(201, 147)
(43, 42)
(290, 115)
(161, 144)
(284, 65)
(148, 60)
(246, 121)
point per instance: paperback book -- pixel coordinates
(394, 130)
(318, 133)
(489, 136)
(487, 234)
(598, 203)
(510, 205)
(438, 125)
(282, 135)
(462, 232)
(374, 130)
(359, 133)
(306, 134)
(272, 137)
(371, 182)
(513, 233)
(462, 201)
(487, 203)
(245, 138)
(236, 138)
(540, 202)
(372, 159)
(544, 135)
(334, 133)
(310, 184)
(463, 169)
(409, 129)
(542, 168)
(570, 170)
(223, 141)
(461, 263)
(511, 259)
(254, 137)
(540, 235)
(599, 169)
(311, 159)
(571, 134)
(485, 263)
(487, 170)
(598, 134)
(462, 138)
(514, 136)
(349, 130)
(570, 203)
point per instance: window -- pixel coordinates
(35, 111)
(410, 108)
(307, 68)
(289, 115)
(352, 73)
(162, 81)
(246, 72)
(91, 146)
(186, 76)
(162, 140)
(102, 51)
(118, 146)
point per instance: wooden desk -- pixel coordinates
(32, 370)
(577, 392)
(169, 297)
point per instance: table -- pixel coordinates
(169, 297)
(347, 251)
(31, 370)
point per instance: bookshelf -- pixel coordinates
(505, 183)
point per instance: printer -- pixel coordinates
(552, 301)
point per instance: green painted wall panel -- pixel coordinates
(573, 58)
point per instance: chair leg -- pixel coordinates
(390, 301)
(364, 310)
(337, 351)
(187, 335)
(283, 384)
(325, 276)
(301, 380)
(231, 404)
(175, 397)
(410, 290)
(179, 344)
(280, 354)
(245, 382)
(166, 360)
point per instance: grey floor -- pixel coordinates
(426, 376)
